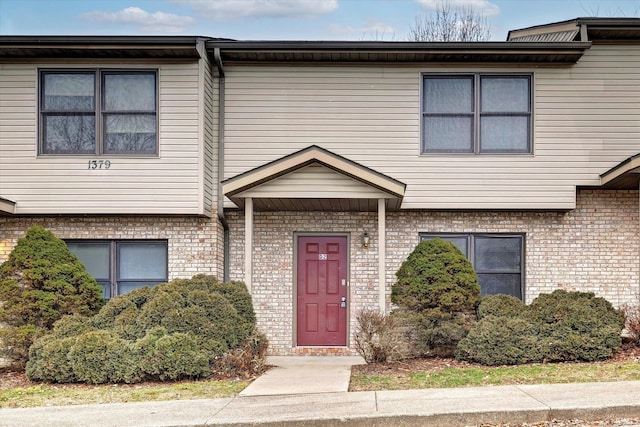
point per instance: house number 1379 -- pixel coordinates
(99, 164)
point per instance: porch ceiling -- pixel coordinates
(314, 179)
(624, 176)
(7, 207)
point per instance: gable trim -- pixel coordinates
(305, 157)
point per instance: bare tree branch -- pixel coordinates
(462, 24)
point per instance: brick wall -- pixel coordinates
(595, 247)
(272, 285)
(194, 243)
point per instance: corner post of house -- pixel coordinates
(248, 242)
(382, 257)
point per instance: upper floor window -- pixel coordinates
(476, 113)
(497, 258)
(96, 112)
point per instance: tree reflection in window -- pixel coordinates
(126, 114)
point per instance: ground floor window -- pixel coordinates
(120, 266)
(497, 258)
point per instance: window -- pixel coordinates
(476, 114)
(121, 266)
(497, 258)
(98, 112)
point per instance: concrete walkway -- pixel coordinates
(304, 375)
(318, 406)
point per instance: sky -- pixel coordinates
(380, 20)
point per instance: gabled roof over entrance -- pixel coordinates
(624, 176)
(314, 179)
(7, 207)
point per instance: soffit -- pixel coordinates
(624, 176)
(7, 207)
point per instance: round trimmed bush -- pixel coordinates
(439, 289)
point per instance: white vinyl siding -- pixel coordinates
(586, 120)
(168, 184)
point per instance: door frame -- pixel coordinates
(294, 286)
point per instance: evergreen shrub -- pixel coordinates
(500, 305)
(171, 331)
(556, 327)
(40, 282)
(437, 289)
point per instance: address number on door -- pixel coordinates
(322, 257)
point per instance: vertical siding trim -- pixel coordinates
(382, 256)
(201, 128)
(248, 242)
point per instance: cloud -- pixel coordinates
(145, 21)
(374, 31)
(229, 9)
(484, 7)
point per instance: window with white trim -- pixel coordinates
(121, 266)
(476, 114)
(497, 258)
(98, 112)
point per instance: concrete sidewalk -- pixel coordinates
(431, 407)
(307, 391)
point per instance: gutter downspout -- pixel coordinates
(217, 59)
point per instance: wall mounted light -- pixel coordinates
(365, 240)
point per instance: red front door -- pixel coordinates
(322, 291)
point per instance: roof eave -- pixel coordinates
(625, 175)
(397, 52)
(100, 46)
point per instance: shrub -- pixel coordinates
(40, 282)
(500, 305)
(501, 341)
(378, 337)
(173, 357)
(48, 356)
(246, 361)
(48, 359)
(171, 331)
(576, 326)
(439, 289)
(561, 326)
(632, 322)
(100, 356)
